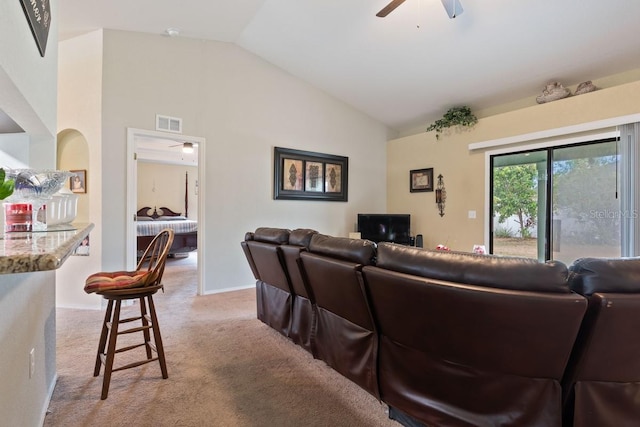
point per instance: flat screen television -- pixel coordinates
(394, 228)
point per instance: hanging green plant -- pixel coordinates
(456, 116)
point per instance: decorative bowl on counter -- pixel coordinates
(33, 184)
(36, 187)
(62, 208)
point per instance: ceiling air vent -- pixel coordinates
(168, 124)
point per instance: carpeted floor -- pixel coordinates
(226, 368)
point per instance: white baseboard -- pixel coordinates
(237, 288)
(47, 401)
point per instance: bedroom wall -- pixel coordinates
(464, 171)
(164, 185)
(243, 107)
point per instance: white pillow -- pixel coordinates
(172, 218)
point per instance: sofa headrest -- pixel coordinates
(278, 236)
(301, 237)
(617, 275)
(522, 274)
(353, 250)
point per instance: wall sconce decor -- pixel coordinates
(441, 195)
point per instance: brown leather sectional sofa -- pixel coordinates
(457, 339)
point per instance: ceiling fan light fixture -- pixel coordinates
(187, 147)
(453, 8)
(172, 32)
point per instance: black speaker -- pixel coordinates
(419, 241)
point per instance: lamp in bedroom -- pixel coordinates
(187, 147)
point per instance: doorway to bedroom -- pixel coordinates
(163, 192)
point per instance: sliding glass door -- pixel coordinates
(519, 200)
(586, 207)
(556, 203)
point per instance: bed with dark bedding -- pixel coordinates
(151, 221)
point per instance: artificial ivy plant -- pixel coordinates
(456, 116)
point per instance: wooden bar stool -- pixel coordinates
(140, 285)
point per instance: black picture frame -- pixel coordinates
(38, 14)
(421, 180)
(306, 175)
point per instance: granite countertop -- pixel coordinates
(24, 252)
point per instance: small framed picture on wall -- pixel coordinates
(78, 182)
(421, 180)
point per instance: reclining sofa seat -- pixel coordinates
(273, 292)
(602, 384)
(345, 336)
(472, 340)
(302, 311)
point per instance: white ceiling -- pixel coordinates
(7, 125)
(407, 69)
(165, 150)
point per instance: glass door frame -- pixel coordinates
(553, 143)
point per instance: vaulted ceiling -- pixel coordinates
(407, 69)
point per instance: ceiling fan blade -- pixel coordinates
(389, 8)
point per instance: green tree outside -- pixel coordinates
(585, 191)
(515, 194)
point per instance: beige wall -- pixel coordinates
(79, 134)
(464, 171)
(164, 185)
(243, 107)
(463, 180)
(73, 155)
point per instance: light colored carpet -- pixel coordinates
(226, 368)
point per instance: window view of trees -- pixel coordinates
(585, 205)
(515, 195)
(586, 215)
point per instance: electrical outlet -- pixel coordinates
(32, 362)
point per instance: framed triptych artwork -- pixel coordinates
(305, 175)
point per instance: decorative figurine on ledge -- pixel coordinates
(585, 87)
(553, 92)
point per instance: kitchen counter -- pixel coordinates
(24, 252)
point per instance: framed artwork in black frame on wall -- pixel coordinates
(421, 180)
(305, 175)
(38, 15)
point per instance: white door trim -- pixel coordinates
(132, 196)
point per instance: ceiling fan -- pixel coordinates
(453, 8)
(187, 147)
